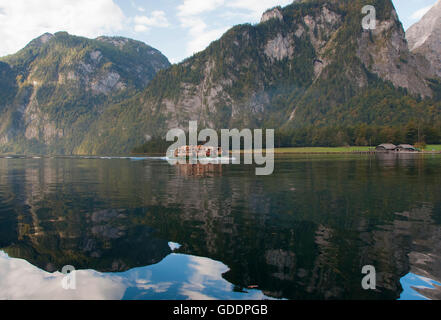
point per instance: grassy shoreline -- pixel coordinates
(340, 150)
(324, 150)
(430, 149)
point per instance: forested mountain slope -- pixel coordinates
(58, 85)
(305, 68)
(308, 70)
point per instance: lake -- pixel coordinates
(139, 228)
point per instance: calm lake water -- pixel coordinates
(142, 229)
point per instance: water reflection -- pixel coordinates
(303, 233)
(419, 288)
(178, 276)
(200, 170)
(104, 240)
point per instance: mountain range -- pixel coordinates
(55, 88)
(307, 66)
(424, 37)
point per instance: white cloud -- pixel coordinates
(417, 15)
(23, 20)
(192, 15)
(199, 34)
(140, 28)
(255, 9)
(19, 280)
(136, 7)
(195, 7)
(157, 19)
(204, 273)
(190, 277)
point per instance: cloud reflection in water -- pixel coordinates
(176, 277)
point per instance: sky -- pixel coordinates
(178, 28)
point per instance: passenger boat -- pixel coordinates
(198, 152)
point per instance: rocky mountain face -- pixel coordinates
(307, 65)
(424, 37)
(53, 89)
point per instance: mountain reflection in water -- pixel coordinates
(200, 170)
(303, 233)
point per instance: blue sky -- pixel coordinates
(178, 28)
(178, 42)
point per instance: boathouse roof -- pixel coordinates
(387, 146)
(406, 146)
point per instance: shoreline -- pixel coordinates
(278, 151)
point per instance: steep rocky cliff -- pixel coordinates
(424, 37)
(53, 89)
(308, 64)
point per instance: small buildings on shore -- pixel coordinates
(406, 148)
(388, 147)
